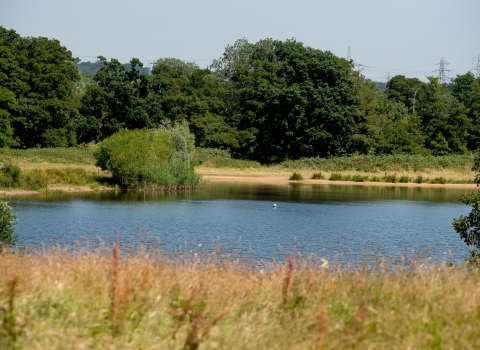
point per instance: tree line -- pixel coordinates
(268, 101)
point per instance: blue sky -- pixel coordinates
(398, 37)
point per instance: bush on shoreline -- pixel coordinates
(151, 159)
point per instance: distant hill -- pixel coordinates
(94, 67)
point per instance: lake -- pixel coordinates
(347, 223)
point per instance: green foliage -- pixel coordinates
(41, 74)
(404, 179)
(289, 100)
(212, 131)
(466, 90)
(444, 121)
(318, 176)
(468, 227)
(10, 175)
(384, 125)
(219, 158)
(372, 163)
(337, 177)
(8, 221)
(296, 176)
(402, 89)
(195, 95)
(149, 158)
(119, 99)
(390, 178)
(419, 179)
(36, 179)
(438, 180)
(358, 178)
(72, 155)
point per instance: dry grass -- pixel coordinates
(83, 300)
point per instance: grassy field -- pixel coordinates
(359, 168)
(95, 300)
(66, 156)
(41, 168)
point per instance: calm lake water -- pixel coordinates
(345, 222)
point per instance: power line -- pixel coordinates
(442, 79)
(478, 63)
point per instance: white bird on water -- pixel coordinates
(274, 205)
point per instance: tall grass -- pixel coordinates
(65, 299)
(60, 155)
(218, 158)
(36, 179)
(397, 163)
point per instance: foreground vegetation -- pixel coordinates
(75, 300)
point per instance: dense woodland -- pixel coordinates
(267, 101)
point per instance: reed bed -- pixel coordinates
(12, 177)
(390, 163)
(106, 299)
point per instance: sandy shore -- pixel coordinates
(282, 177)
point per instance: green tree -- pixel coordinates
(41, 74)
(468, 227)
(293, 101)
(444, 120)
(8, 221)
(118, 99)
(409, 91)
(8, 103)
(195, 95)
(384, 125)
(466, 89)
(212, 131)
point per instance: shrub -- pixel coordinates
(404, 179)
(358, 178)
(149, 158)
(10, 175)
(336, 177)
(468, 227)
(376, 179)
(438, 180)
(317, 176)
(419, 179)
(390, 178)
(296, 176)
(8, 220)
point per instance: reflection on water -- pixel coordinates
(327, 220)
